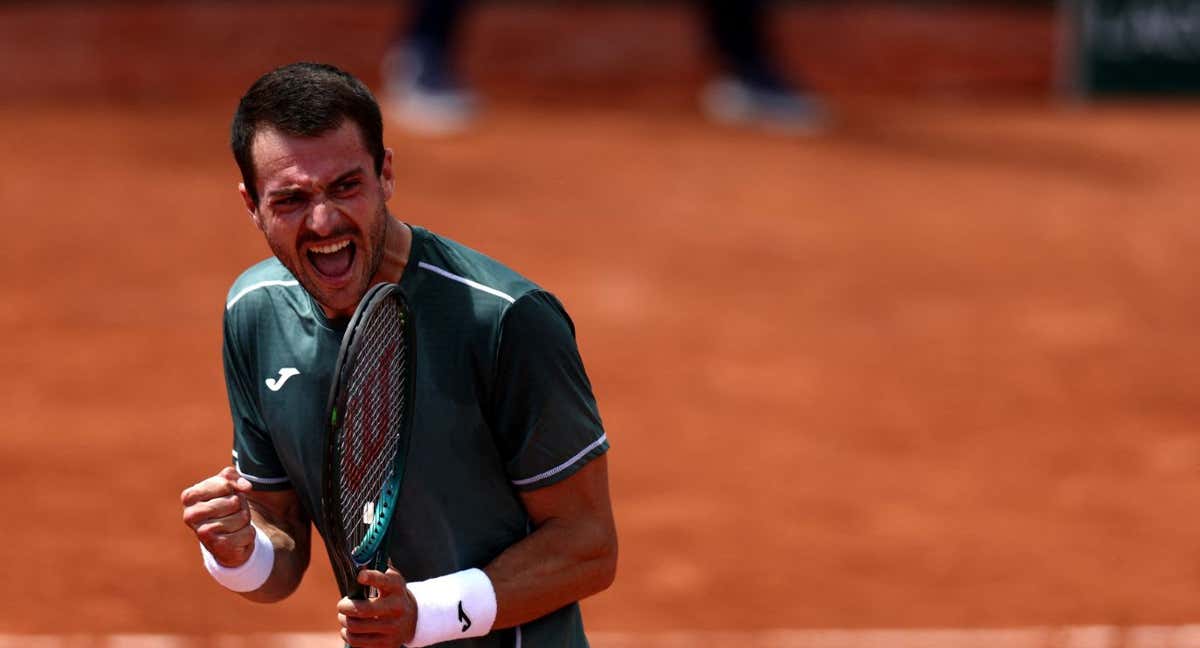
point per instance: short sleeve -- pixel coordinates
(254, 454)
(544, 413)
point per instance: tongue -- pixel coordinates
(335, 264)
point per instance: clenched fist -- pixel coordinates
(217, 511)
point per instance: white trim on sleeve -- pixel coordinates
(255, 478)
(564, 465)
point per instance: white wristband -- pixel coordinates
(250, 575)
(456, 606)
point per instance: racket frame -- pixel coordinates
(371, 551)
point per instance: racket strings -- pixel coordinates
(374, 404)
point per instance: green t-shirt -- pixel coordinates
(502, 405)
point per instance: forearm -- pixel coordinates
(571, 554)
(290, 562)
(562, 561)
(285, 524)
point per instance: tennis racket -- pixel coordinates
(370, 417)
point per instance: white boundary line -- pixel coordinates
(1098, 636)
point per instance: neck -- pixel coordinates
(397, 245)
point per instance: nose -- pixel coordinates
(324, 216)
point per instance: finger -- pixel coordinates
(234, 477)
(213, 487)
(363, 625)
(199, 513)
(375, 581)
(395, 573)
(387, 583)
(357, 608)
(366, 640)
(381, 607)
(242, 484)
(228, 524)
(231, 549)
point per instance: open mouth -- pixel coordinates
(332, 261)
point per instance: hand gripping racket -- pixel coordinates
(370, 416)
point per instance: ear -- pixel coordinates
(250, 206)
(386, 179)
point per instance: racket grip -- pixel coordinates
(359, 592)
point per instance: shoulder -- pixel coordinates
(490, 285)
(540, 314)
(261, 283)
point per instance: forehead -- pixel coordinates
(280, 158)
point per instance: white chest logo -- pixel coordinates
(275, 384)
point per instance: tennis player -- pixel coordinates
(504, 522)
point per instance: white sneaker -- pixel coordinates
(440, 107)
(732, 101)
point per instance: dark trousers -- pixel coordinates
(735, 29)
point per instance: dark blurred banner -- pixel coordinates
(1130, 47)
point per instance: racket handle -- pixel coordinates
(363, 593)
(358, 592)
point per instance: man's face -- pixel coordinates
(323, 211)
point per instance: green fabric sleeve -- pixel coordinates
(254, 454)
(544, 415)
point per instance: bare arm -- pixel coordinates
(219, 510)
(571, 554)
(280, 516)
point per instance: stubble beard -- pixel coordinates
(376, 241)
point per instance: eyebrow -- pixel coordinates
(291, 190)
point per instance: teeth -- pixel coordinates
(329, 249)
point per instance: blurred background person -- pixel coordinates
(426, 95)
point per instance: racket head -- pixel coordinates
(369, 418)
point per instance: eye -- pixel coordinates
(346, 187)
(287, 202)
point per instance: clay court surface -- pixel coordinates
(937, 368)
